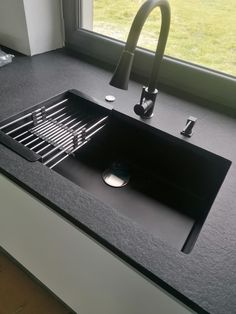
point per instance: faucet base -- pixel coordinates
(147, 117)
(146, 105)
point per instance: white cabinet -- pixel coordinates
(81, 272)
(31, 26)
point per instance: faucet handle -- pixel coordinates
(146, 105)
(143, 109)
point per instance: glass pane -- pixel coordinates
(202, 31)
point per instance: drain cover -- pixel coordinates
(117, 175)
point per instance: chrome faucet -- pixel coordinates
(122, 73)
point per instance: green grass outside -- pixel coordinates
(202, 31)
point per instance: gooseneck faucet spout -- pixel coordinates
(122, 73)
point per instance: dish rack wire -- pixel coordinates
(55, 132)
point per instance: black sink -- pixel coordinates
(169, 184)
(166, 184)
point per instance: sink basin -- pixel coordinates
(163, 183)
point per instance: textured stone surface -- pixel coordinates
(207, 275)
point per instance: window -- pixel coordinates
(202, 41)
(202, 31)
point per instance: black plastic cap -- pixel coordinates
(120, 78)
(139, 110)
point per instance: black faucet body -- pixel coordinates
(122, 73)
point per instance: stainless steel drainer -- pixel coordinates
(55, 132)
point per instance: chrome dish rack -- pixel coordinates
(54, 132)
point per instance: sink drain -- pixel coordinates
(117, 175)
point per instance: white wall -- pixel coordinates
(31, 26)
(13, 28)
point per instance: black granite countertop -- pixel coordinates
(205, 279)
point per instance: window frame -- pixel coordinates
(197, 80)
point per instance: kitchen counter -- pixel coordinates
(205, 279)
